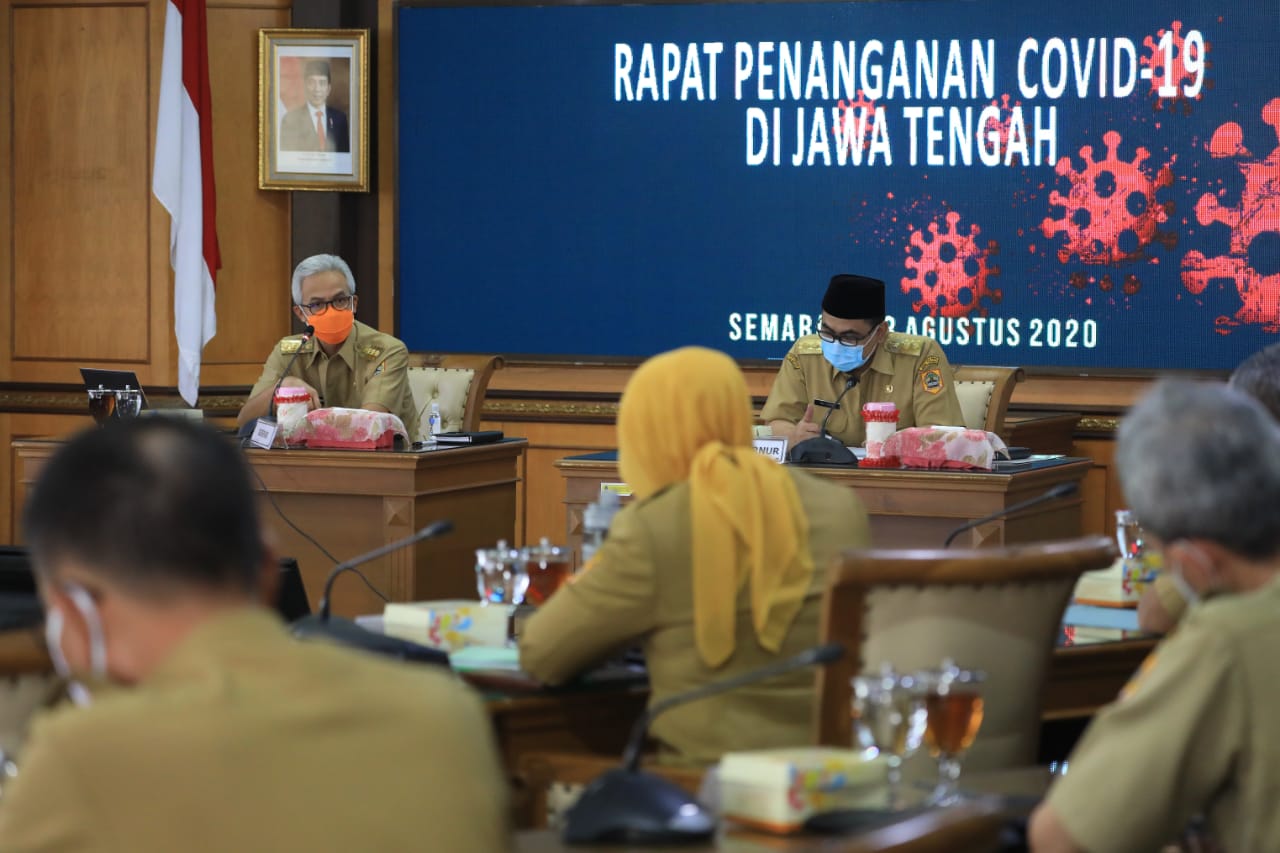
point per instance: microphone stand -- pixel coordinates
(823, 448)
(346, 632)
(306, 337)
(627, 804)
(1061, 490)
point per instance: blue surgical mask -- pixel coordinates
(844, 358)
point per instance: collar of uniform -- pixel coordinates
(347, 352)
(237, 634)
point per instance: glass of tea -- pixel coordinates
(548, 566)
(953, 700)
(102, 404)
(889, 715)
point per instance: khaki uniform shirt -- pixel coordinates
(1195, 731)
(908, 370)
(246, 739)
(369, 367)
(640, 590)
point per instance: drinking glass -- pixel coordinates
(1139, 561)
(128, 402)
(547, 566)
(953, 699)
(501, 577)
(102, 404)
(889, 712)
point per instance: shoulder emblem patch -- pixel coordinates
(808, 345)
(931, 360)
(904, 344)
(931, 380)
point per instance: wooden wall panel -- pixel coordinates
(541, 509)
(253, 285)
(14, 426)
(80, 171)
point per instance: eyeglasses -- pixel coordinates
(342, 302)
(846, 339)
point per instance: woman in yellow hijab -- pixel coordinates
(715, 568)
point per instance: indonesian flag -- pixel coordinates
(183, 183)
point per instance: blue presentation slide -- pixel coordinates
(1095, 186)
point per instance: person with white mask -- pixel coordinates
(1195, 731)
(199, 724)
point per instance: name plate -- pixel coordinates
(264, 433)
(775, 447)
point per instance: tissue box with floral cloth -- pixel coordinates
(945, 447)
(350, 429)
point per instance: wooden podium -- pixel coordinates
(354, 501)
(908, 508)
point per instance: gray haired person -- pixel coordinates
(1195, 731)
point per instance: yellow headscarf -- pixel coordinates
(686, 415)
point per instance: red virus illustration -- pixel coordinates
(1257, 215)
(949, 271)
(857, 112)
(1181, 75)
(1110, 214)
(1001, 125)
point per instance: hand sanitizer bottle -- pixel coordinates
(433, 424)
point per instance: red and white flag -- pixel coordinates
(183, 182)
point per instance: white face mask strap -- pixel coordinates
(53, 639)
(97, 641)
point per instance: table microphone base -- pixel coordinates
(344, 632)
(633, 807)
(822, 450)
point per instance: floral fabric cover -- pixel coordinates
(946, 447)
(348, 429)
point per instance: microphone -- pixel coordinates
(346, 632)
(306, 336)
(1061, 490)
(628, 805)
(823, 448)
(848, 386)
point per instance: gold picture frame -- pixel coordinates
(313, 109)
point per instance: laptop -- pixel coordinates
(113, 380)
(19, 605)
(291, 600)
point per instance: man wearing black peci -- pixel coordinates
(853, 342)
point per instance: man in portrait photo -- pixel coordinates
(315, 126)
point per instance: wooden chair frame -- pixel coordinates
(1003, 380)
(483, 367)
(855, 573)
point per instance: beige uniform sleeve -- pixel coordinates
(44, 809)
(789, 396)
(272, 371)
(1159, 753)
(1170, 597)
(389, 383)
(940, 408)
(601, 609)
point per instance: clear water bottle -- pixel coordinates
(433, 423)
(595, 523)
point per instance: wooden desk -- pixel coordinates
(908, 508)
(352, 502)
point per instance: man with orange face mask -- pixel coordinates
(347, 364)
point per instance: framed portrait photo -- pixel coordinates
(313, 110)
